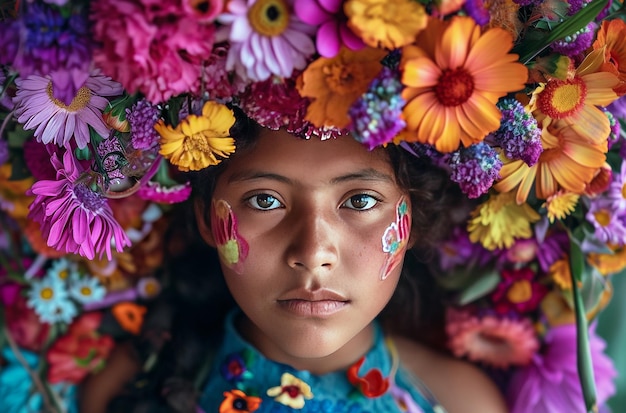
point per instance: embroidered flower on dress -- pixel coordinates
(292, 391)
(371, 384)
(236, 401)
(196, 140)
(234, 368)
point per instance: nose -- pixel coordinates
(313, 242)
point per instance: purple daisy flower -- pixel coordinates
(331, 22)
(550, 382)
(478, 11)
(475, 168)
(74, 218)
(142, 117)
(55, 122)
(458, 250)
(266, 39)
(376, 116)
(616, 194)
(518, 135)
(553, 248)
(609, 224)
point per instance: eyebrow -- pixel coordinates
(366, 174)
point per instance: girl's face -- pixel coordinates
(302, 228)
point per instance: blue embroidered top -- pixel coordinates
(243, 380)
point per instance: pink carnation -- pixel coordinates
(499, 342)
(154, 47)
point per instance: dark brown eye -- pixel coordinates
(360, 202)
(264, 202)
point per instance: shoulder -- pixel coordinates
(459, 386)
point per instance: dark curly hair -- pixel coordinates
(195, 303)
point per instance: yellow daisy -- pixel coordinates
(573, 101)
(196, 140)
(454, 76)
(388, 24)
(560, 205)
(499, 221)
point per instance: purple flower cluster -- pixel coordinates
(376, 116)
(576, 44)
(478, 11)
(142, 117)
(475, 168)
(518, 135)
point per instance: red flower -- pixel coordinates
(81, 351)
(518, 291)
(372, 384)
(24, 325)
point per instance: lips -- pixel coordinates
(318, 303)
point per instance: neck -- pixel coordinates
(340, 359)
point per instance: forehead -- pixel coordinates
(312, 160)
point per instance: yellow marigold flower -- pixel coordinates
(573, 101)
(499, 221)
(195, 142)
(561, 205)
(560, 273)
(454, 76)
(568, 162)
(609, 263)
(292, 391)
(388, 24)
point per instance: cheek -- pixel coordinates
(395, 239)
(231, 246)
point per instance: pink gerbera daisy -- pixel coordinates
(499, 342)
(37, 108)
(266, 38)
(74, 218)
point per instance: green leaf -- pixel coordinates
(585, 366)
(481, 286)
(82, 154)
(18, 136)
(535, 41)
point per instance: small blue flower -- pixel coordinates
(50, 300)
(86, 289)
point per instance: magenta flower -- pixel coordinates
(550, 382)
(518, 292)
(266, 39)
(154, 191)
(331, 22)
(154, 47)
(36, 107)
(74, 218)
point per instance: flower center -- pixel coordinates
(603, 217)
(196, 142)
(341, 79)
(88, 198)
(46, 293)
(562, 98)
(624, 190)
(269, 17)
(63, 274)
(240, 404)
(455, 87)
(86, 291)
(520, 292)
(292, 391)
(80, 101)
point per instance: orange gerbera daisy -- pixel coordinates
(454, 77)
(611, 37)
(334, 84)
(567, 162)
(572, 101)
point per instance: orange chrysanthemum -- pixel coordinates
(573, 101)
(454, 77)
(334, 84)
(610, 38)
(567, 162)
(386, 23)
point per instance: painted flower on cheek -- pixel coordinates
(232, 248)
(292, 391)
(238, 401)
(395, 238)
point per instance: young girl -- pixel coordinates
(312, 238)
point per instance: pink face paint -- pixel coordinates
(232, 248)
(396, 238)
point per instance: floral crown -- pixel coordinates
(521, 101)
